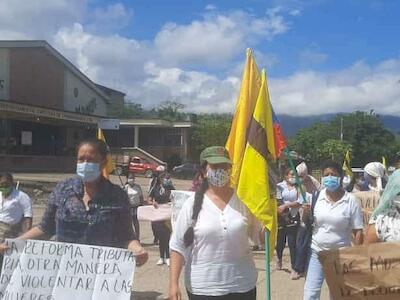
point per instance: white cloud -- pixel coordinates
(128, 65)
(157, 70)
(295, 12)
(216, 39)
(312, 57)
(360, 87)
(38, 19)
(110, 18)
(210, 7)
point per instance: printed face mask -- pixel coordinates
(218, 177)
(88, 171)
(332, 183)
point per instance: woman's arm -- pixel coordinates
(358, 236)
(26, 224)
(34, 234)
(176, 264)
(371, 236)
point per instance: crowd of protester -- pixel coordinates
(215, 233)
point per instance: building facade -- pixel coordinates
(47, 106)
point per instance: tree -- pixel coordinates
(129, 110)
(363, 131)
(210, 130)
(333, 149)
(171, 111)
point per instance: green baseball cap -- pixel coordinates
(215, 155)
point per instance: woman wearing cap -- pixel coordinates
(211, 238)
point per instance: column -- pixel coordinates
(136, 137)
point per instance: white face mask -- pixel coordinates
(292, 180)
(218, 177)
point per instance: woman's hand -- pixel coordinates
(3, 248)
(141, 257)
(281, 209)
(174, 292)
(139, 252)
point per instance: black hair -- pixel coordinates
(287, 171)
(99, 145)
(330, 164)
(188, 237)
(7, 176)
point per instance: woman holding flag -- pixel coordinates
(211, 238)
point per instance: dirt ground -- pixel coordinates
(151, 281)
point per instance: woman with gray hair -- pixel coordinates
(311, 184)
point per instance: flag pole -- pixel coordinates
(267, 266)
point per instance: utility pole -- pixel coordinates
(341, 129)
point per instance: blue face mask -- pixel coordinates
(332, 183)
(88, 171)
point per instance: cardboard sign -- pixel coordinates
(58, 271)
(363, 272)
(152, 214)
(369, 200)
(178, 198)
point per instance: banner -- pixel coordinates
(44, 270)
(178, 198)
(363, 272)
(369, 200)
(152, 214)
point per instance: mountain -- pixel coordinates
(292, 124)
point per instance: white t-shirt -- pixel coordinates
(220, 260)
(15, 207)
(289, 196)
(334, 221)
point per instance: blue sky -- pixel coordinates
(322, 56)
(340, 31)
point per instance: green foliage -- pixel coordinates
(210, 130)
(171, 111)
(129, 110)
(333, 149)
(363, 133)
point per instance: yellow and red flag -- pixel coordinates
(253, 184)
(249, 89)
(110, 166)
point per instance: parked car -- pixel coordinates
(186, 170)
(139, 165)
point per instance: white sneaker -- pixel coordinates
(167, 262)
(160, 262)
